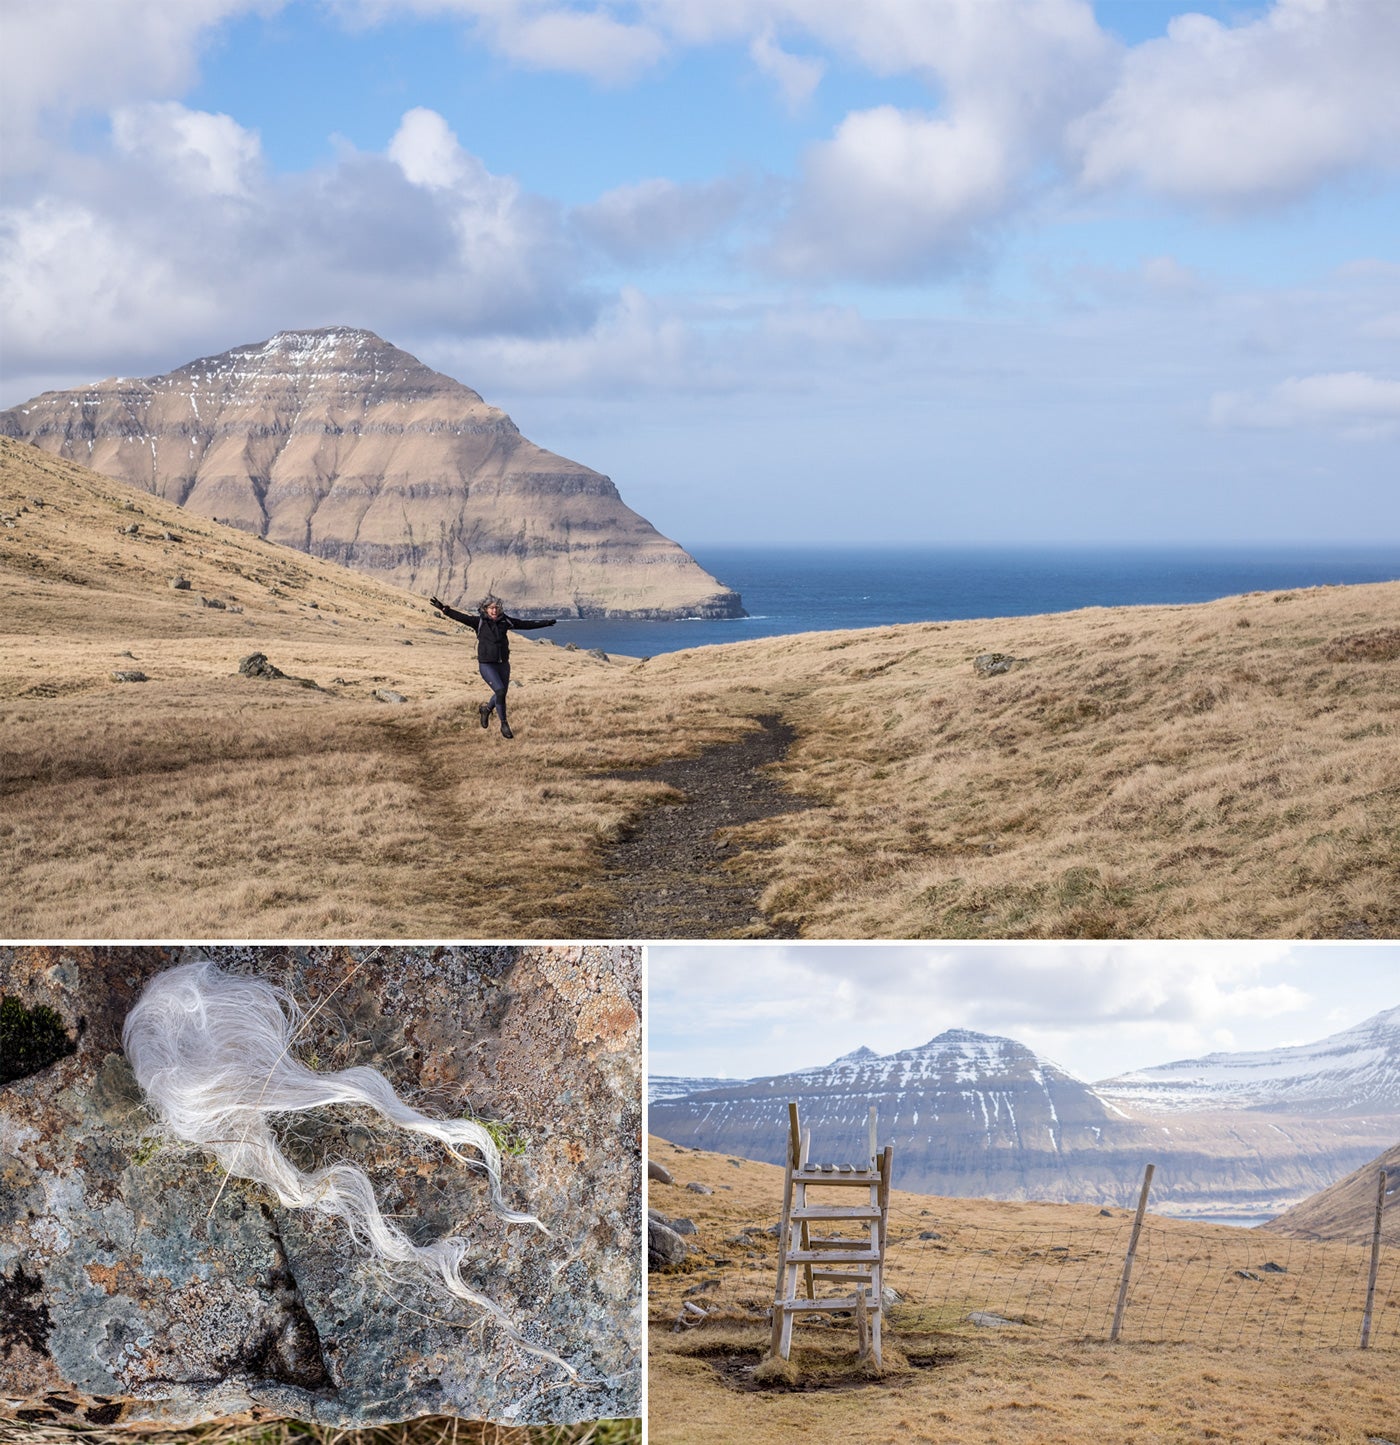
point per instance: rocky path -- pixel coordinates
(670, 872)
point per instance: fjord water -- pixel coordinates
(822, 589)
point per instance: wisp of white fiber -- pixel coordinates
(213, 1054)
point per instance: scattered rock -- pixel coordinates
(214, 602)
(699, 1188)
(665, 1248)
(179, 584)
(257, 665)
(387, 694)
(129, 674)
(599, 654)
(988, 1321)
(1105, 1213)
(171, 537)
(990, 664)
(889, 1297)
(930, 1234)
(1247, 1274)
(131, 529)
(659, 1172)
(1272, 1268)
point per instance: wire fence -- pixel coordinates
(1189, 1283)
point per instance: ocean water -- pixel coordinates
(820, 589)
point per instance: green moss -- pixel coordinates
(30, 1039)
(509, 1138)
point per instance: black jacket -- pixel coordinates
(492, 634)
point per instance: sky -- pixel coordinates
(787, 270)
(1096, 1009)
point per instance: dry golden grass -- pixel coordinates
(946, 1379)
(1225, 770)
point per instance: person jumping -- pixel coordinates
(492, 627)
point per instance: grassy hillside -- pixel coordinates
(1347, 1209)
(1219, 770)
(1225, 1337)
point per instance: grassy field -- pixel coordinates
(1222, 770)
(1288, 1377)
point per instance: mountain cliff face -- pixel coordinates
(341, 445)
(1356, 1071)
(978, 1116)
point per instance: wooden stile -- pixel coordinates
(847, 1259)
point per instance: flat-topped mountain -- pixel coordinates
(972, 1114)
(339, 444)
(1356, 1071)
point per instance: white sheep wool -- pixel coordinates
(213, 1053)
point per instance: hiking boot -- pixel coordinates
(484, 713)
(505, 730)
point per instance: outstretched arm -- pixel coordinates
(463, 617)
(530, 626)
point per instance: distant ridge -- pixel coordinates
(341, 445)
(1356, 1071)
(973, 1114)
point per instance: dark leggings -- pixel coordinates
(497, 678)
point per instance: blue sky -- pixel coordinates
(1096, 1009)
(787, 270)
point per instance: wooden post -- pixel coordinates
(874, 1143)
(794, 1157)
(1132, 1250)
(1375, 1264)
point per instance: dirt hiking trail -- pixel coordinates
(670, 873)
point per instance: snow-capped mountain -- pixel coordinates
(977, 1115)
(1353, 1072)
(339, 444)
(673, 1086)
(964, 1111)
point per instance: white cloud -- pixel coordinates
(658, 218)
(70, 55)
(1361, 406)
(1255, 113)
(204, 154)
(797, 76)
(178, 240)
(591, 43)
(1098, 1009)
(79, 285)
(894, 195)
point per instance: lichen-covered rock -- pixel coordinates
(137, 1284)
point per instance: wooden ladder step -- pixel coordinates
(841, 1302)
(865, 1179)
(837, 1211)
(816, 1256)
(840, 1276)
(831, 1242)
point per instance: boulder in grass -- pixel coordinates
(665, 1248)
(129, 674)
(257, 665)
(992, 664)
